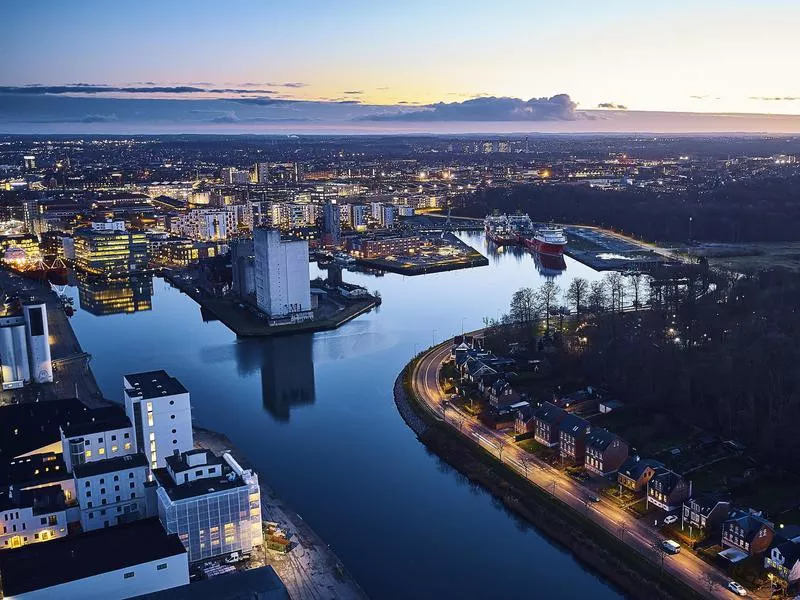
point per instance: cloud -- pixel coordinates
(88, 88)
(99, 118)
(354, 92)
(263, 101)
(290, 84)
(228, 117)
(613, 105)
(556, 108)
(776, 98)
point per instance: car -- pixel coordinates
(669, 520)
(233, 558)
(671, 546)
(593, 498)
(737, 588)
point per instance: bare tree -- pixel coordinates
(547, 295)
(635, 285)
(577, 292)
(524, 309)
(616, 288)
(597, 297)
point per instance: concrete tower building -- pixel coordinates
(283, 287)
(158, 406)
(38, 337)
(14, 353)
(331, 223)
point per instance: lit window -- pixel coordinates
(127, 446)
(114, 448)
(152, 436)
(149, 407)
(150, 419)
(88, 454)
(101, 451)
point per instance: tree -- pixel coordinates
(547, 296)
(597, 297)
(616, 288)
(576, 293)
(635, 284)
(709, 581)
(523, 306)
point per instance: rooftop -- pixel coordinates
(154, 384)
(199, 487)
(262, 583)
(95, 421)
(40, 566)
(110, 465)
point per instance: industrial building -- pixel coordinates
(25, 347)
(283, 285)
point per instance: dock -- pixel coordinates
(245, 321)
(310, 570)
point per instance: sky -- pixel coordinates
(574, 65)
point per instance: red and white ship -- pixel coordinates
(549, 240)
(506, 230)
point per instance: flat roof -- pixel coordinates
(154, 384)
(95, 421)
(262, 583)
(44, 565)
(110, 465)
(199, 487)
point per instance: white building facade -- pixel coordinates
(283, 287)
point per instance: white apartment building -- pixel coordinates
(110, 435)
(283, 285)
(158, 406)
(206, 224)
(119, 562)
(32, 515)
(212, 503)
(112, 491)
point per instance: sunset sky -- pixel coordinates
(684, 57)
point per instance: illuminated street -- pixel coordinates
(687, 566)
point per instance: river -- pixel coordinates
(316, 416)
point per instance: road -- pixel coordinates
(633, 532)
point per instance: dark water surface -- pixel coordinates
(315, 415)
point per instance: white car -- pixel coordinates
(671, 519)
(737, 588)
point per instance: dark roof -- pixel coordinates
(36, 469)
(47, 499)
(154, 384)
(665, 481)
(110, 465)
(27, 427)
(600, 438)
(199, 487)
(790, 550)
(95, 421)
(705, 503)
(40, 566)
(750, 522)
(634, 467)
(262, 583)
(574, 425)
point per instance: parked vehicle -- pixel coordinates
(737, 588)
(235, 557)
(671, 546)
(594, 498)
(669, 520)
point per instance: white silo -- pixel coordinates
(38, 341)
(14, 355)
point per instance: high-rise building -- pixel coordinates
(106, 248)
(262, 173)
(206, 223)
(358, 217)
(243, 268)
(331, 223)
(387, 214)
(283, 289)
(29, 162)
(158, 406)
(234, 176)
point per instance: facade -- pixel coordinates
(211, 503)
(572, 439)
(283, 285)
(205, 224)
(243, 269)
(31, 516)
(667, 490)
(747, 531)
(261, 173)
(112, 491)
(705, 513)
(784, 560)
(119, 562)
(14, 363)
(635, 473)
(331, 223)
(389, 246)
(107, 434)
(358, 216)
(104, 249)
(183, 253)
(605, 451)
(158, 406)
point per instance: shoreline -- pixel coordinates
(587, 542)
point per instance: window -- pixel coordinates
(129, 574)
(171, 402)
(174, 431)
(102, 490)
(116, 488)
(133, 495)
(174, 441)
(172, 416)
(114, 448)
(133, 484)
(113, 438)
(88, 505)
(150, 419)
(88, 454)
(99, 440)
(91, 514)
(152, 436)
(161, 567)
(88, 494)
(116, 477)
(44, 520)
(130, 475)
(127, 446)
(127, 436)
(53, 520)
(102, 480)
(199, 472)
(101, 451)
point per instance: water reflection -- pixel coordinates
(549, 266)
(287, 371)
(115, 296)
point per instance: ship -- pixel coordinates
(548, 240)
(507, 230)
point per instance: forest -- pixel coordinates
(759, 210)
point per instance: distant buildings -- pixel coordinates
(107, 248)
(205, 224)
(282, 281)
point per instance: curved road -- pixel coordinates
(636, 534)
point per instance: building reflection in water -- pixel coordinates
(287, 371)
(116, 296)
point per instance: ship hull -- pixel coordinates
(544, 248)
(501, 240)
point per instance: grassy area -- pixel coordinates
(531, 446)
